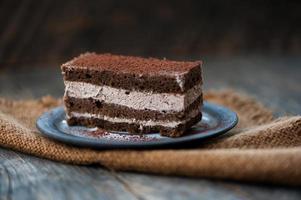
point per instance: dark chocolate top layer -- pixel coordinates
(133, 73)
(130, 64)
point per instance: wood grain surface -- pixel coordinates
(274, 81)
(54, 30)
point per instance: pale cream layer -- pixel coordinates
(134, 99)
(164, 123)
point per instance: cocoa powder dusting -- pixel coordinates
(130, 64)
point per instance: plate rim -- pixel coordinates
(57, 135)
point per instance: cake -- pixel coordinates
(132, 94)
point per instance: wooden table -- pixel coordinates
(274, 81)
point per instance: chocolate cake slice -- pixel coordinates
(138, 95)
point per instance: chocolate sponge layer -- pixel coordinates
(134, 73)
(134, 128)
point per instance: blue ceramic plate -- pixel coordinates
(216, 120)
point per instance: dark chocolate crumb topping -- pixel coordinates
(130, 64)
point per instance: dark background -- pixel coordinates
(50, 32)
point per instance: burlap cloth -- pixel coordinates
(260, 148)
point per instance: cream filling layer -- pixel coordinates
(164, 123)
(133, 99)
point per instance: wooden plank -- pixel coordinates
(275, 81)
(170, 29)
(178, 188)
(25, 177)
